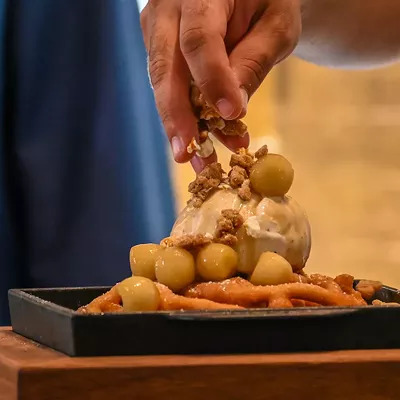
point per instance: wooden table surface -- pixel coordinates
(29, 371)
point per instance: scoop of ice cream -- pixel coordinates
(270, 224)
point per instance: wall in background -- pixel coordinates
(341, 130)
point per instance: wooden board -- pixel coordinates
(30, 372)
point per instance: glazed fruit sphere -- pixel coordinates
(272, 175)
(143, 260)
(175, 268)
(216, 262)
(139, 294)
(271, 269)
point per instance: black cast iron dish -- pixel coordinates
(48, 316)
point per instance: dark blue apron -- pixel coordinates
(83, 166)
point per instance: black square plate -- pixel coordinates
(48, 316)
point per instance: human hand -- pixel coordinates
(227, 47)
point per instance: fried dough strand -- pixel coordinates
(238, 293)
(107, 302)
(171, 301)
(111, 301)
(241, 292)
(368, 288)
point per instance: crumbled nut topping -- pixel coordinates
(202, 109)
(244, 191)
(234, 128)
(187, 242)
(215, 123)
(228, 240)
(204, 148)
(211, 178)
(214, 177)
(208, 180)
(237, 176)
(207, 113)
(196, 202)
(211, 119)
(241, 163)
(242, 159)
(263, 151)
(193, 146)
(203, 136)
(227, 226)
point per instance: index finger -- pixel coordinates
(202, 32)
(170, 78)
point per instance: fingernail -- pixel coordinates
(245, 98)
(225, 108)
(178, 146)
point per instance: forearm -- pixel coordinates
(350, 33)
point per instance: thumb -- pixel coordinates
(271, 40)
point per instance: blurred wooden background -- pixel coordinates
(341, 132)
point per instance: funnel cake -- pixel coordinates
(241, 243)
(238, 293)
